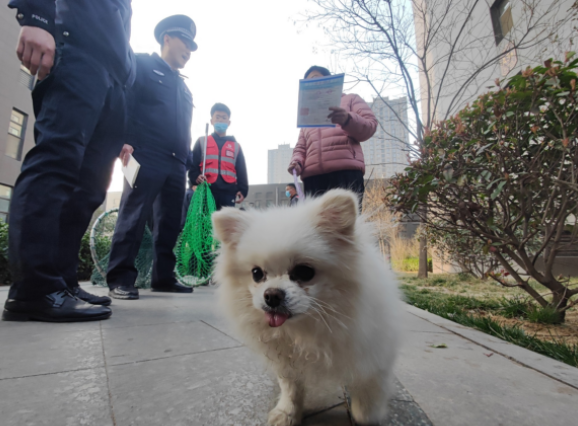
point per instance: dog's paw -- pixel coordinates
(278, 417)
(365, 416)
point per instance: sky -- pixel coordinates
(251, 56)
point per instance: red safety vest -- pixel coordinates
(223, 162)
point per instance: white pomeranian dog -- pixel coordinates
(306, 287)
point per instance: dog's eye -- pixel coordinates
(258, 274)
(302, 273)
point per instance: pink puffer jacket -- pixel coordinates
(323, 150)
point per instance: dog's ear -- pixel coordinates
(338, 212)
(229, 225)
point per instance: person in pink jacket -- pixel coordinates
(331, 157)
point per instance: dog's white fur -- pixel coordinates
(344, 325)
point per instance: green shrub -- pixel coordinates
(5, 277)
(499, 177)
(85, 264)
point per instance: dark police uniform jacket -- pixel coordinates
(104, 43)
(160, 110)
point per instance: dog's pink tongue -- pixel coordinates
(276, 319)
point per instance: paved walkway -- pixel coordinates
(171, 360)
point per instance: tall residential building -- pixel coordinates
(16, 114)
(456, 70)
(278, 163)
(386, 152)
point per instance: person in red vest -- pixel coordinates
(225, 167)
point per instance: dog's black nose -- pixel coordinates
(274, 297)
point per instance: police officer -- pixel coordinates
(159, 136)
(81, 53)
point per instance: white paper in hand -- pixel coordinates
(316, 96)
(130, 171)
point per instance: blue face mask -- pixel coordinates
(288, 194)
(221, 127)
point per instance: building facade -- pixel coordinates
(16, 114)
(470, 44)
(386, 152)
(278, 162)
(264, 196)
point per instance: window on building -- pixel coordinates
(16, 131)
(502, 21)
(26, 79)
(5, 196)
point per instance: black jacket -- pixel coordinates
(96, 31)
(160, 111)
(220, 185)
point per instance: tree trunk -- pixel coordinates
(559, 302)
(422, 270)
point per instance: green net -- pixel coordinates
(196, 247)
(100, 242)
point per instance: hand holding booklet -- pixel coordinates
(130, 171)
(316, 96)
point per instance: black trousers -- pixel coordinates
(80, 120)
(224, 198)
(315, 186)
(160, 187)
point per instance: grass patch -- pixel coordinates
(455, 308)
(515, 307)
(543, 315)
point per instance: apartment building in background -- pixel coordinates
(16, 114)
(485, 30)
(264, 196)
(386, 152)
(277, 164)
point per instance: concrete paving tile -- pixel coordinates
(460, 385)
(220, 388)
(336, 416)
(549, 366)
(132, 344)
(162, 308)
(34, 348)
(225, 387)
(410, 322)
(62, 399)
(129, 313)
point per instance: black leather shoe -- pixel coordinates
(90, 298)
(60, 306)
(124, 293)
(173, 288)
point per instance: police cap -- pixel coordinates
(179, 25)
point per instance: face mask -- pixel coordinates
(288, 194)
(221, 127)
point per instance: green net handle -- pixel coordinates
(92, 244)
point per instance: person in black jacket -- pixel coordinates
(159, 136)
(81, 53)
(225, 163)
